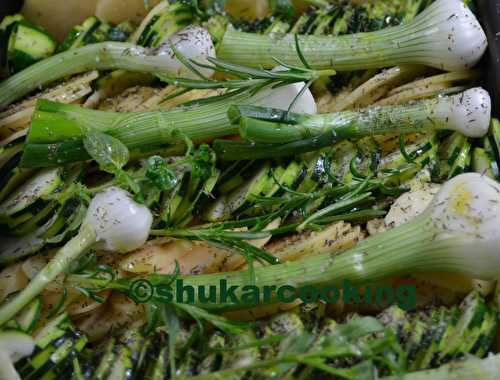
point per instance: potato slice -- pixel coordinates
(116, 11)
(59, 16)
(12, 279)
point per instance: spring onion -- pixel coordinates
(485, 369)
(56, 130)
(191, 42)
(446, 35)
(283, 134)
(457, 233)
(114, 221)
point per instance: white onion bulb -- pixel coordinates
(120, 223)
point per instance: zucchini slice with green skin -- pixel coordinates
(397, 320)
(418, 338)
(473, 309)
(91, 31)
(188, 212)
(169, 20)
(27, 44)
(483, 163)
(146, 353)
(55, 358)
(33, 217)
(52, 330)
(122, 366)
(494, 137)
(444, 323)
(488, 333)
(317, 168)
(158, 368)
(66, 220)
(224, 207)
(235, 175)
(106, 360)
(286, 179)
(14, 248)
(436, 326)
(9, 161)
(343, 154)
(54, 353)
(38, 187)
(174, 198)
(15, 179)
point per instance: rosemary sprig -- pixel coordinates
(245, 78)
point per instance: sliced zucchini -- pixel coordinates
(188, 198)
(9, 160)
(495, 139)
(483, 163)
(27, 44)
(235, 175)
(418, 339)
(106, 360)
(397, 320)
(169, 20)
(54, 329)
(91, 31)
(33, 217)
(343, 154)
(56, 344)
(15, 179)
(145, 355)
(187, 209)
(174, 198)
(225, 206)
(122, 366)
(38, 187)
(444, 323)
(473, 309)
(247, 193)
(436, 326)
(55, 358)
(287, 179)
(158, 369)
(487, 335)
(14, 248)
(317, 167)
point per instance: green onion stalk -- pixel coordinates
(114, 222)
(458, 233)
(274, 133)
(446, 35)
(470, 368)
(57, 130)
(192, 42)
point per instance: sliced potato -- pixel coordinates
(248, 9)
(160, 255)
(117, 313)
(58, 16)
(116, 11)
(336, 237)
(12, 279)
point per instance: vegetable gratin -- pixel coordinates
(248, 190)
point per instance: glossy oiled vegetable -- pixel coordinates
(192, 42)
(114, 221)
(446, 35)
